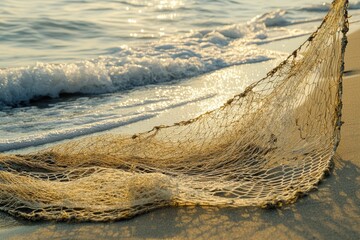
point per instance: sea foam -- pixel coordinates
(169, 59)
(324, 7)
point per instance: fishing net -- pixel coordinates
(263, 147)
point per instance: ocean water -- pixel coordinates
(73, 68)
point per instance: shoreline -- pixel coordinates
(333, 212)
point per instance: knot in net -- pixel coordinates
(263, 147)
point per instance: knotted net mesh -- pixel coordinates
(264, 146)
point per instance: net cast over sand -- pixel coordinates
(265, 146)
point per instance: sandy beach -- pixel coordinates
(331, 212)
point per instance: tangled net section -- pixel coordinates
(265, 146)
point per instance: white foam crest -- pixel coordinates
(272, 19)
(324, 7)
(25, 83)
(169, 59)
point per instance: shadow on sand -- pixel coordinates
(333, 212)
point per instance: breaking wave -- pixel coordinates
(169, 59)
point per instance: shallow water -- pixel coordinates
(67, 30)
(73, 68)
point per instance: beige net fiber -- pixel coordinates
(263, 147)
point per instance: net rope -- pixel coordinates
(264, 147)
